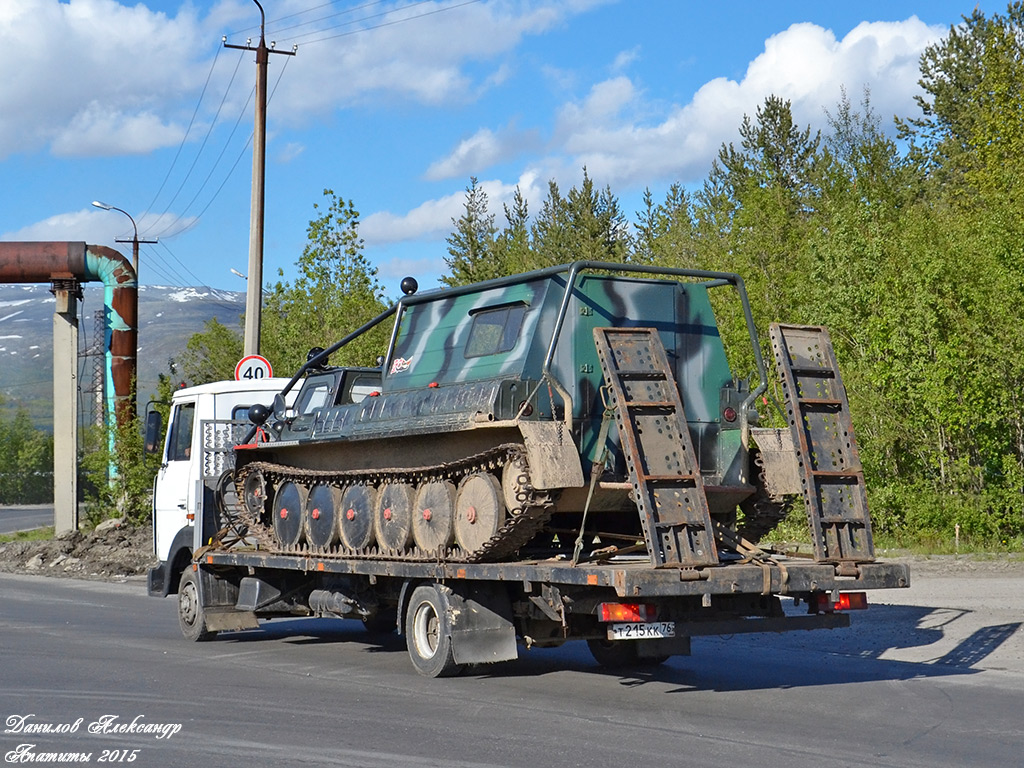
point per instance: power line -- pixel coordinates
(181, 264)
(206, 138)
(227, 143)
(279, 30)
(189, 129)
(308, 10)
(238, 159)
(160, 265)
(377, 26)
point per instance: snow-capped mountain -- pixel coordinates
(168, 316)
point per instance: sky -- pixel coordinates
(396, 105)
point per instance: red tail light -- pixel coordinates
(626, 612)
(848, 601)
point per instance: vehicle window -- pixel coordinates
(315, 396)
(495, 330)
(180, 446)
(362, 386)
(240, 413)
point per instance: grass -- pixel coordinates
(36, 534)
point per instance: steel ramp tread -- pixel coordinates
(670, 495)
(652, 404)
(819, 417)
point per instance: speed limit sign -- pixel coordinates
(253, 367)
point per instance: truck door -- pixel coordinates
(174, 495)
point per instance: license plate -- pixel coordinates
(642, 630)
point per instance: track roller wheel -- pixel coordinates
(321, 516)
(254, 495)
(355, 516)
(479, 510)
(289, 503)
(515, 483)
(393, 518)
(433, 517)
(191, 614)
(428, 632)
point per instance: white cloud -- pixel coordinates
(91, 66)
(482, 150)
(98, 77)
(424, 60)
(433, 219)
(290, 151)
(625, 58)
(805, 64)
(98, 132)
(610, 133)
(96, 227)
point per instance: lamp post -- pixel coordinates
(135, 237)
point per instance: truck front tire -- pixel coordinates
(191, 613)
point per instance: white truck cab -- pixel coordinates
(179, 490)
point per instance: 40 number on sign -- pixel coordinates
(253, 367)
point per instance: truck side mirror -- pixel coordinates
(153, 426)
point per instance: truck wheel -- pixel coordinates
(616, 654)
(191, 614)
(428, 634)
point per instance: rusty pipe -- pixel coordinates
(42, 262)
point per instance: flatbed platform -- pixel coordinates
(628, 578)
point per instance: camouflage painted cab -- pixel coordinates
(573, 411)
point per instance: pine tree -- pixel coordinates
(472, 251)
(513, 244)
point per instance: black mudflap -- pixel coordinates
(832, 478)
(657, 446)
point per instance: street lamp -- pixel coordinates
(135, 237)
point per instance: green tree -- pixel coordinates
(972, 118)
(26, 461)
(513, 243)
(666, 233)
(336, 291)
(211, 354)
(472, 249)
(584, 224)
(758, 204)
(550, 238)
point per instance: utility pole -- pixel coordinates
(254, 293)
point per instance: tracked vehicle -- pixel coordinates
(561, 454)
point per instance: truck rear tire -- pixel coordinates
(191, 614)
(428, 633)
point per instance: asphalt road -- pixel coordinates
(934, 679)
(14, 519)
